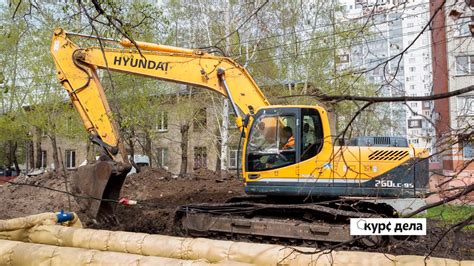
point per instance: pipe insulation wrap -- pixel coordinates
(54, 244)
(20, 253)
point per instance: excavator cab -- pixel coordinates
(283, 136)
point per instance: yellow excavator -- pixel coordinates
(300, 185)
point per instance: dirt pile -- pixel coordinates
(29, 196)
(157, 191)
(159, 194)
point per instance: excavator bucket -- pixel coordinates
(97, 188)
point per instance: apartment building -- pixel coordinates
(166, 138)
(453, 68)
(395, 28)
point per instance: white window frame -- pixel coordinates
(70, 159)
(233, 159)
(162, 157)
(470, 65)
(44, 159)
(162, 121)
(466, 105)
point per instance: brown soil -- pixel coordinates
(159, 194)
(23, 200)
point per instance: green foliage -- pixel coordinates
(450, 214)
(284, 43)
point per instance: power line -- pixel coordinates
(243, 23)
(328, 35)
(327, 25)
(328, 48)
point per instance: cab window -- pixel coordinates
(311, 134)
(272, 142)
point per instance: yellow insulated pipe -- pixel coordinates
(20, 253)
(212, 251)
(32, 220)
(88, 243)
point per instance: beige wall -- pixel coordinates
(170, 139)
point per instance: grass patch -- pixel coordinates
(450, 214)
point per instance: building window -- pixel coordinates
(70, 159)
(162, 121)
(465, 65)
(414, 105)
(412, 69)
(426, 104)
(162, 157)
(200, 119)
(468, 148)
(44, 162)
(343, 58)
(414, 123)
(412, 87)
(466, 105)
(200, 157)
(233, 158)
(462, 26)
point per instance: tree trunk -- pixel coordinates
(147, 147)
(184, 149)
(57, 166)
(131, 145)
(14, 146)
(219, 151)
(9, 154)
(31, 154)
(38, 149)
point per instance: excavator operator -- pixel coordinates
(290, 139)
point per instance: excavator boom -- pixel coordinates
(77, 72)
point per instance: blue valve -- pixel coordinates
(64, 216)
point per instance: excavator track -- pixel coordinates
(304, 224)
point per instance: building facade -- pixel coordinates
(394, 28)
(166, 139)
(453, 58)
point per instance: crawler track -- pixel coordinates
(269, 220)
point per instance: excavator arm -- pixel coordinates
(77, 72)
